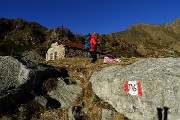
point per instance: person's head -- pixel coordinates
(95, 34)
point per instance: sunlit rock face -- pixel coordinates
(145, 90)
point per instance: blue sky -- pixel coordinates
(83, 16)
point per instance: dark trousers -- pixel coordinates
(94, 57)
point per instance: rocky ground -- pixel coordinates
(91, 106)
(84, 91)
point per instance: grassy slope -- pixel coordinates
(79, 69)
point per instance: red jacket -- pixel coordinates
(93, 43)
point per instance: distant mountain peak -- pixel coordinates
(176, 22)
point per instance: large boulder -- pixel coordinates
(65, 94)
(148, 89)
(19, 78)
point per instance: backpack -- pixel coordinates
(87, 43)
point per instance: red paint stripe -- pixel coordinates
(126, 89)
(139, 89)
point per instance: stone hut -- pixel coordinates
(56, 51)
(62, 50)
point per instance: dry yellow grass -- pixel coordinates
(78, 67)
(119, 117)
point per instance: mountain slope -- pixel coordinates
(140, 40)
(146, 40)
(18, 36)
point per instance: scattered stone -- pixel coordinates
(21, 79)
(41, 100)
(65, 94)
(108, 114)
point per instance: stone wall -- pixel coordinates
(73, 52)
(56, 51)
(59, 51)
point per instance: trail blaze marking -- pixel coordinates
(133, 87)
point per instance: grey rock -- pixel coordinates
(65, 94)
(108, 114)
(74, 113)
(160, 80)
(41, 100)
(19, 78)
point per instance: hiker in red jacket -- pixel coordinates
(93, 44)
